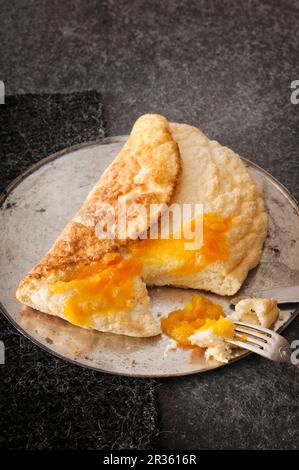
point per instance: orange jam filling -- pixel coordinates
(103, 286)
(197, 315)
(173, 253)
(108, 285)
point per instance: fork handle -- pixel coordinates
(283, 295)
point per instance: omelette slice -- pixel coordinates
(234, 220)
(84, 278)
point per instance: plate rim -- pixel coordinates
(104, 141)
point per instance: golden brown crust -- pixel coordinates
(145, 172)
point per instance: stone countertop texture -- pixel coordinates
(225, 66)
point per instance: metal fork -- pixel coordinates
(283, 295)
(264, 342)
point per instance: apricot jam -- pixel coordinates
(172, 252)
(108, 285)
(99, 288)
(198, 314)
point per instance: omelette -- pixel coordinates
(99, 282)
(202, 323)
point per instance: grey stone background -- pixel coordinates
(223, 65)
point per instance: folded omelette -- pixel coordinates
(100, 283)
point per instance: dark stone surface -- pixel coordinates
(35, 126)
(225, 66)
(252, 404)
(46, 403)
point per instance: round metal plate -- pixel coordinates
(36, 207)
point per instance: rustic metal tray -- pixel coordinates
(38, 204)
